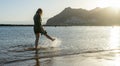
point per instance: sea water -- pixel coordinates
(70, 40)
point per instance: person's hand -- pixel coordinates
(45, 32)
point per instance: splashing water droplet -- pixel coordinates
(55, 43)
(48, 43)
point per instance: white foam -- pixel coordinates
(56, 43)
(48, 43)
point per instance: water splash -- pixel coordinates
(48, 43)
(56, 43)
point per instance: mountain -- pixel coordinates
(97, 16)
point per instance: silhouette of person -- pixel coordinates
(38, 28)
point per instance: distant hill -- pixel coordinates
(97, 16)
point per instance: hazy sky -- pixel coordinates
(22, 11)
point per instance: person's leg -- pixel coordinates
(49, 37)
(36, 41)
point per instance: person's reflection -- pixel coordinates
(48, 62)
(37, 59)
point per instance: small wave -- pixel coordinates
(44, 45)
(62, 53)
(21, 46)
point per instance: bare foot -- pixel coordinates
(53, 39)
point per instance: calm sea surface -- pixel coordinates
(16, 41)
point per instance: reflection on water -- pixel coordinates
(114, 37)
(117, 60)
(114, 44)
(37, 60)
(46, 62)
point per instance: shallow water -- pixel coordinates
(16, 43)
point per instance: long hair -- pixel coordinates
(39, 11)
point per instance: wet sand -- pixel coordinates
(105, 58)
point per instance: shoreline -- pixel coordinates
(51, 25)
(107, 58)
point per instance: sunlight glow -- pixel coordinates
(116, 10)
(114, 37)
(109, 3)
(114, 44)
(116, 58)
